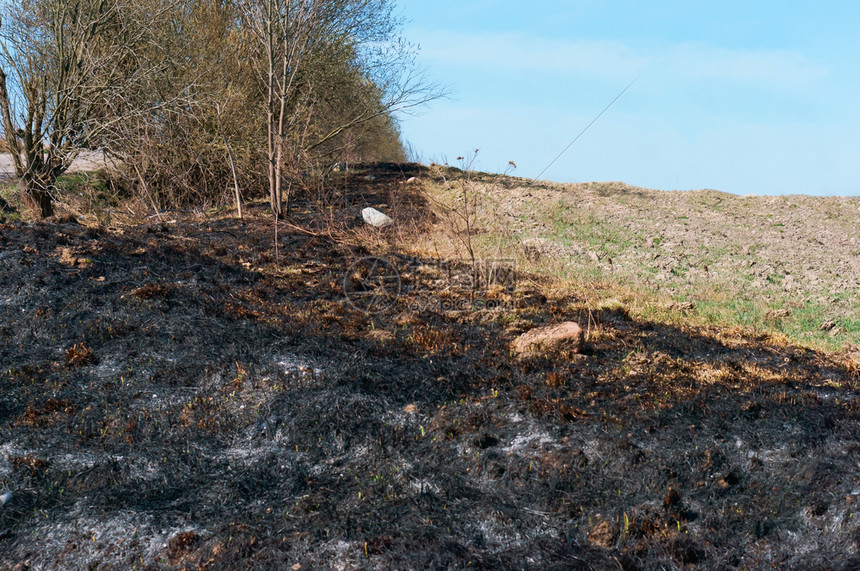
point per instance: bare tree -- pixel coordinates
(300, 45)
(62, 63)
(186, 134)
(172, 87)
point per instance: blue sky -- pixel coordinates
(752, 97)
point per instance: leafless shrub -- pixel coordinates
(467, 210)
(65, 69)
(202, 102)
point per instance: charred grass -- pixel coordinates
(175, 396)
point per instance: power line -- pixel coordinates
(581, 133)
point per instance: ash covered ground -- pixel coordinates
(175, 397)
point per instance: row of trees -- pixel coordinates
(194, 96)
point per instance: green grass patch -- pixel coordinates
(8, 212)
(91, 186)
(570, 227)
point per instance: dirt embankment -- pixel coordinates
(788, 264)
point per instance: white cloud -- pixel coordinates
(702, 115)
(774, 68)
(516, 52)
(520, 51)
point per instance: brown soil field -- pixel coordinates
(782, 264)
(180, 394)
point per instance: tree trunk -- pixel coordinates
(36, 191)
(274, 174)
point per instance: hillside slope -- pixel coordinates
(787, 264)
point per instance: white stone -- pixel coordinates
(376, 218)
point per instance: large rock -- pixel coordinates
(376, 218)
(567, 336)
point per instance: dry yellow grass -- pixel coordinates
(677, 258)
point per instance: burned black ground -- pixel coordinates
(176, 397)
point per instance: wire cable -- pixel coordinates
(581, 133)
